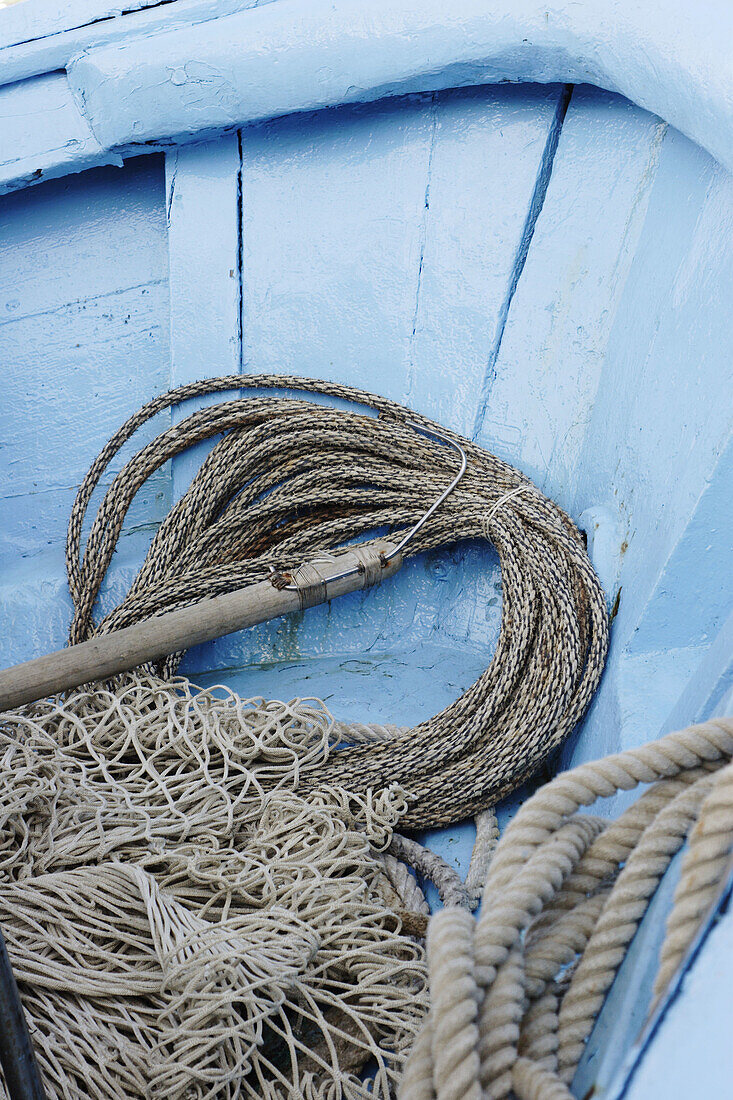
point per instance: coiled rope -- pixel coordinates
(290, 479)
(514, 996)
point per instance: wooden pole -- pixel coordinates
(155, 638)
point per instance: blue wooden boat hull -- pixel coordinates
(546, 268)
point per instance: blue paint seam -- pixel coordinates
(240, 253)
(423, 243)
(92, 23)
(536, 204)
(172, 188)
(84, 301)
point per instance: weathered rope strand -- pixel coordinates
(706, 860)
(487, 838)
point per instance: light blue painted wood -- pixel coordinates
(328, 53)
(43, 134)
(348, 271)
(24, 23)
(600, 282)
(669, 350)
(701, 551)
(39, 38)
(691, 1054)
(608, 328)
(82, 239)
(553, 348)
(202, 204)
(180, 78)
(83, 341)
(710, 691)
(655, 420)
(352, 224)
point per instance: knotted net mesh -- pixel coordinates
(178, 931)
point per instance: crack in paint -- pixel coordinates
(171, 188)
(423, 242)
(114, 15)
(83, 302)
(537, 201)
(240, 254)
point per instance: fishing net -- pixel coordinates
(175, 930)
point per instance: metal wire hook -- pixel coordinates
(430, 433)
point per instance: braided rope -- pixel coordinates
(705, 863)
(538, 1040)
(600, 865)
(533, 1082)
(454, 999)
(405, 884)
(563, 897)
(565, 940)
(487, 838)
(618, 921)
(289, 480)
(433, 867)
(409, 901)
(418, 1079)
(501, 1016)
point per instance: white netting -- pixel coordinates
(178, 932)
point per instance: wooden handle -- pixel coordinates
(155, 638)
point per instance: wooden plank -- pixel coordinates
(189, 80)
(43, 134)
(50, 32)
(625, 282)
(179, 78)
(202, 187)
(486, 161)
(547, 370)
(24, 22)
(669, 361)
(378, 242)
(691, 1054)
(82, 238)
(83, 341)
(71, 378)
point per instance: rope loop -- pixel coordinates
(289, 480)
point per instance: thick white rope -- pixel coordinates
(563, 897)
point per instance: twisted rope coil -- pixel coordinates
(563, 897)
(290, 480)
